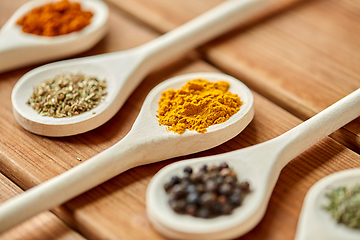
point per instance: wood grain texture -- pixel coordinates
(167, 15)
(44, 226)
(116, 209)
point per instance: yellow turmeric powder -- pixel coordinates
(197, 105)
(55, 19)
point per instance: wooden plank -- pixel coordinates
(116, 209)
(167, 15)
(44, 226)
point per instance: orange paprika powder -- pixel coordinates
(55, 19)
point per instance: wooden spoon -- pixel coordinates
(146, 142)
(260, 165)
(18, 49)
(314, 221)
(124, 70)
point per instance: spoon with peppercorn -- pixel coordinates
(331, 208)
(258, 165)
(124, 70)
(147, 142)
(18, 49)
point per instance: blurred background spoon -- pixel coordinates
(18, 49)
(315, 222)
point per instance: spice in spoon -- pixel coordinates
(344, 206)
(197, 105)
(67, 95)
(212, 191)
(55, 19)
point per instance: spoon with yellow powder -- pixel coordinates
(124, 70)
(260, 165)
(18, 49)
(147, 142)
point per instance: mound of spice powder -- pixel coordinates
(55, 19)
(197, 105)
(344, 206)
(67, 95)
(212, 191)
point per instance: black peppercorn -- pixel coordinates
(211, 186)
(190, 188)
(196, 177)
(223, 165)
(230, 179)
(206, 199)
(219, 180)
(178, 191)
(225, 172)
(191, 209)
(192, 198)
(216, 208)
(214, 168)
(226, 208)
(200, 188)
(245, 186)
(175, 180)
(221, 199)
(188, 170)
(203, 213)
(205, 177)
(168, 186)
(203, 168)
(225, 189)
(235, 199)
(178, 205)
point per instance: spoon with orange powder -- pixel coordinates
(41, 38)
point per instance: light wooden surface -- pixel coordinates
(302, 59)
(44, 226)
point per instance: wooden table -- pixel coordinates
(297, 61)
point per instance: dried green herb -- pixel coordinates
(344, 206)
(67, 95)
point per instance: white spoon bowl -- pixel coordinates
(260, 165)
(147, 142)
(317, 223)
(18, 49)
(124, 70)
(49, 126)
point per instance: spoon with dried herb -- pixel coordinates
(260, 165)
(147, 142)
(67, 95)
(331, 209)
(124, 70)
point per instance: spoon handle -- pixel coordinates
(122, 156)
(208, 25)
(319, 126)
